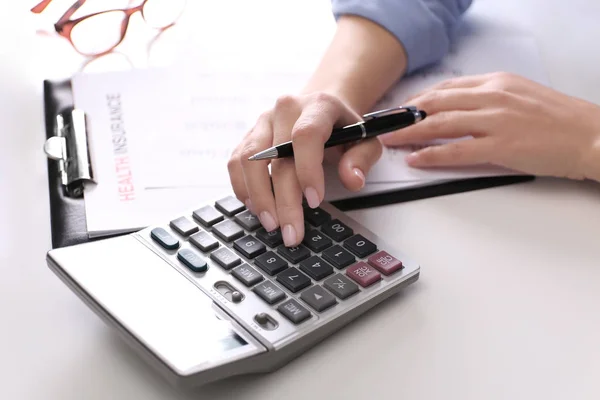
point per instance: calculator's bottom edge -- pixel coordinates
(244, 367)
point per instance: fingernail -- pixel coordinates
(412, 158)
(312, 197)
(289, 235)
(267, 221)
(360, 176)
(248, 203)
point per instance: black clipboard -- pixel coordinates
(69, 167)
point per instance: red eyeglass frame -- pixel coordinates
(64, 26)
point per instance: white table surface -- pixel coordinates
(507, 306)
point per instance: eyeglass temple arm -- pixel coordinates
(65, 17)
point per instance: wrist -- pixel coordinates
(362, 62)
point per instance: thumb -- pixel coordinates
(357, 161)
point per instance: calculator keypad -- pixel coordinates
(332, 264)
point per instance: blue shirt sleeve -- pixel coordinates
(426, 28)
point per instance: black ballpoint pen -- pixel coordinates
(373, 124)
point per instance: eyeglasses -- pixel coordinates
(99, 33)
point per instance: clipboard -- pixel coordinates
(70, 167)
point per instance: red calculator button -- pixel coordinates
(385, 263)
(363, 274)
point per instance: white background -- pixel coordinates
(507, 304)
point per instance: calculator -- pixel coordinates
(211, 294)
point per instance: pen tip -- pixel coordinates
(251, 158)
(423, 114)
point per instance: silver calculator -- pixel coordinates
(211, 294)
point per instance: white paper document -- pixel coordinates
(161, 138)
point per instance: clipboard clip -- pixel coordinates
(70, 148)
(393, 110)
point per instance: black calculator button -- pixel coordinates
(316, 216)
(360, 246)
(318, 298)
(294, 254)
(341, 286)
(228, 230)
(225, 258)
(247, 220)
(247, 275)
(249, 246)
(229, 206)
(269, 292)
(316, 268)
(293, 311)
(271, 239)
(271, 263)
(293, 279)
(336, 230)
(204, 241)
(338, 257)
(164, 238)
(192, 260)
(184, 226)
(316, 241)
(208, 216)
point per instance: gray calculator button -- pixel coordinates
(318, 298)
(247, 220)
(228, 230)
(338, 257)
(249, 246)
(164, 238)
(360, 246)
(316, 241)
(316, 216)
(184, 226)
(294, 254)
(269, 292)
(192, 260)
(229, 206)
(341, 286)
(337, 230)
(204, 241)
(271, 263)
(316, 268)
(293, 311)
(293, 279)
(225, 258)
(208, 216)
(271, 239)
(247, 275)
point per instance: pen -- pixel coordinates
(373, 124)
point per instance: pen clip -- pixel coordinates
(390, 111)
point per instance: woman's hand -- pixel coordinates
(307, 120)
(515, 123)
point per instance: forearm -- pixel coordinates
(362, 62)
